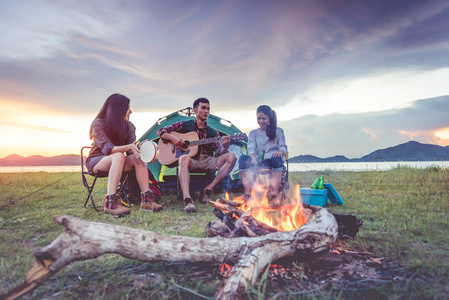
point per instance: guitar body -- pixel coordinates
(169, 155)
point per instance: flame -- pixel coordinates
(287, 217)
(225, 270)
(276, 269)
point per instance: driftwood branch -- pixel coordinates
(83, 240)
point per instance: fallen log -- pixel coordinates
(83, 240)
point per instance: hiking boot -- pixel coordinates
(206, 196)
(188, 205)
(113, 208)
(148, 202)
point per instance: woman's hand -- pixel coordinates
(135, 149)
(278, 153)
(253, 159)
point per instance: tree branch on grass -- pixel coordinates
(83, 240)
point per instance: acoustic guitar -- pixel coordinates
(169, 154)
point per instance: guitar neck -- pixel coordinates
(234, 137)
(205, 141)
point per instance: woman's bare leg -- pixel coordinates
(134, 163)
(113, 164)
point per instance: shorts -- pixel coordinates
(91, 162)
(204, 162)
(275, 164)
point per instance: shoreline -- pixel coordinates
(293, 167)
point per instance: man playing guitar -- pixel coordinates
(210, 157)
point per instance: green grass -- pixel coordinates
(404, 210)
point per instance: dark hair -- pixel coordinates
(202, 100)
(113, 115)
(271, 114)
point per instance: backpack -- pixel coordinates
(131, 189)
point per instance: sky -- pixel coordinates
(344, 77)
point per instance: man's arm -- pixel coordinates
(164, 134)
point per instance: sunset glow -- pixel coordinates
(443, 134)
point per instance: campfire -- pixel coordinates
(256, 216)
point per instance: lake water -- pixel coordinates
(294, 167)
(48, 169)
(365, 166)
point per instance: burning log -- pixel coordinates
(238, 222)
(234, 222)
(83, 240)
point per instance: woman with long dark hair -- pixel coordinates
(266, 149)
(115, 150)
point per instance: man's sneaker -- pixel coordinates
(111, 207)
(148, 202)
(188, 205)
(206, 196)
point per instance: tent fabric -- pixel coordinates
(224, 127)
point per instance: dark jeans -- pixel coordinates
(274, 163)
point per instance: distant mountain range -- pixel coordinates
(38, 160)
(410, 151)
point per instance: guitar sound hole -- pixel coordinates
(186, 145)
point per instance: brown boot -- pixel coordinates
(111, 207)
(149, 202)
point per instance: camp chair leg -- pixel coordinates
(89, 194)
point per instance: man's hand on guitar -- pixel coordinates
(226, 141)
(176, 141)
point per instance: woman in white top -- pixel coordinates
(269, 140)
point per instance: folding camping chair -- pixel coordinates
(99, 174)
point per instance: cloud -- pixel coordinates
(356, 135)
(31, 128)
(164, 54)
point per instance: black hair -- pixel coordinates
(113, 115)
(271, 114)
(202, 100)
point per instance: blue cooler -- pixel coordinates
(313, 196)
(319, 197)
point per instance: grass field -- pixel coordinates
(404, 210)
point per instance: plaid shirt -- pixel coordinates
(212, 149)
